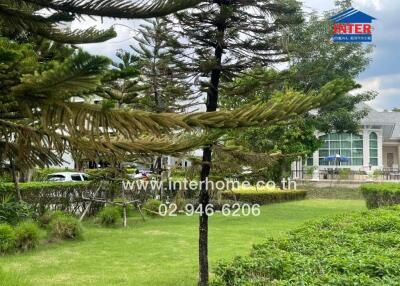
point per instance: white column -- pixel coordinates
(316, 166)
(398, 155)
(380, 150)
(366, 153)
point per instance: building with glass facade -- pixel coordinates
(376, 146)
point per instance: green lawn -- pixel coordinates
(160, 251)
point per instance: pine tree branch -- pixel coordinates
(24, 20)
(118, 8)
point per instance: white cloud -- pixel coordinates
(373, 4)
(388, 88)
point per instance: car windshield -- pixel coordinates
(55, 178)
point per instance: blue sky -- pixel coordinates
(383, 74)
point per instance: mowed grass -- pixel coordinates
(161, 251)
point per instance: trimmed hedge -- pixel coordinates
(380, 195)
(357, 249)
(65, 196)
(337, 193)
(264, 197)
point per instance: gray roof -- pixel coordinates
(387, 120)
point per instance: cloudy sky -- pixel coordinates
(383, 75)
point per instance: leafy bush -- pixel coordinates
(13, 212)
(152, 207)
(27, 236)
(46, 218)
(344, 174)
(110, 215)
(380, 195)
(130, 209)
(66, 227)
(263, 196)
(356, 249)
(7, 238)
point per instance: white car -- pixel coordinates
(67, 177)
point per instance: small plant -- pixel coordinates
(152, 207)
(377, 174)
(110, 215)
(344, 174)
(13, 212)
(310, 171)
(7, 238)
(48, 216)
(27, 236)
(129, 209)
(66, 227)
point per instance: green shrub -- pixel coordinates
(13, 212)
(130, 209)
(152, 207)
(110, 215)
(380, 195)
(357, 249)
(263, 196)
(66, 227)
(7, 238)
(46, 218)
(344, 173)
(27, 235)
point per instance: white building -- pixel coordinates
(375, 147)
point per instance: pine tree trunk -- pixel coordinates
(212, 105)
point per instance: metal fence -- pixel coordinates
(387, 174)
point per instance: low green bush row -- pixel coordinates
(380, 195)
(336, 193)
(265, 197)
(361, 248)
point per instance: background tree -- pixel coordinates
(314, 61)
(157, 50)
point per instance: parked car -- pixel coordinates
(67, 177)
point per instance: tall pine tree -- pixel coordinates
(228, 37)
